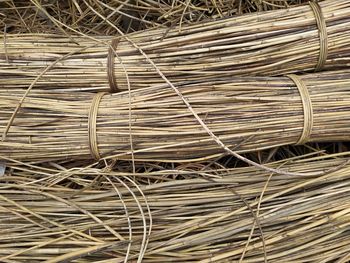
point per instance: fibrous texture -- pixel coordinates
(246, 114)
(267, 43)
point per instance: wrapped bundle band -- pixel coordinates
(110, 66)
(247, 114)
(307, 107)
(299, 39)
(92, 121)
(322, 27)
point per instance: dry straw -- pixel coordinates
(96, 215)
(90, 17)
(246, 114)
(305, 38)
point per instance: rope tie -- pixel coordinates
(322, 32)
(92, 122)
(110, 66)
(307, 108)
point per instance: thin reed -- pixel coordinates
(96, 215)
(265, 43)
(153, 124)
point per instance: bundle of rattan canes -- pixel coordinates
(305, 38)
(156, 124)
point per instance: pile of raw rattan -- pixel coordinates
(154, 124)
(266, 43)
(134, 148)
(98, 17)
(96, 215)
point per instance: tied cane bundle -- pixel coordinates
(240, 213)
(305, 38)
(154, 124)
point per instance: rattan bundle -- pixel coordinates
(96, 215)
(37, 16)
(156, 124)
(304, 38)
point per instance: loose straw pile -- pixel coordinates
(99, 17)
(97, 215)
(306, 38)
(153, 124)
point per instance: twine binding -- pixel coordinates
(92, 122)
(307, 108)
(322, 31)
(110, 66)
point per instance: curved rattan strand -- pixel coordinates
(110, 66)
(307, 107)
(92, 129)
(322, 28)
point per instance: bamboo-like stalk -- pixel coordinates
(246, 114)
(88, 16)
(302, 219)
(266, 43)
